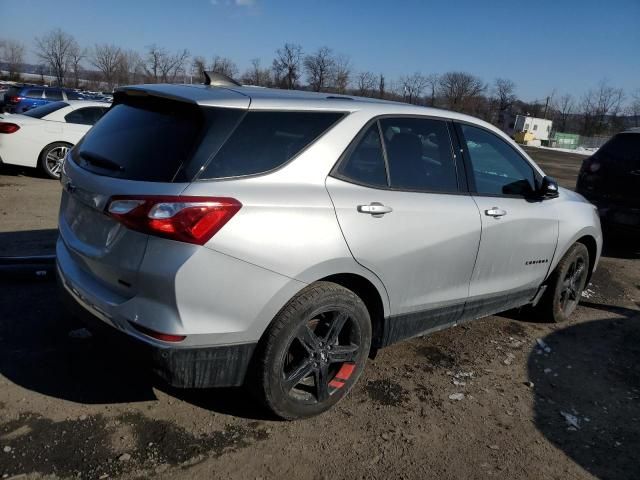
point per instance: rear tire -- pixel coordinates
(52, 158)
(565, 285)
(314, 351)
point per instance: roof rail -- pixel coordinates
(219, 80)
(338, 97)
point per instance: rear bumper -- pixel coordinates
(201, 367)
(619, 216)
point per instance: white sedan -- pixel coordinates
(42, 137)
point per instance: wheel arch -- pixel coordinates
(592, 247)
(53, 143)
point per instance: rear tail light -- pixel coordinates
(185, 219)
(592, 165)
(14, 99)
(6, 127)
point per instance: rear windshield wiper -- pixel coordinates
(100, 161)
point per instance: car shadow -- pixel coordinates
(20, 171)
(29, 242)
(587, 393)
(40, 351)
(621, 245)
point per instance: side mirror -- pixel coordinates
(548, 188)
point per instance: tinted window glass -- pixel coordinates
(144, 140)
(265, 140)
(34, 93)
(419, 154)
(497, 168)
(623, 149)
(365, 163)
(53, 94)
(85, 116)
(44, 110)
(71, 95)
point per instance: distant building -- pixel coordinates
(540, 128)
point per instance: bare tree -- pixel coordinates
(459, 89)
(634, 107)
(53, 49)
(161, 66)
(412, 87)
(286, 65)
(365, 84)
(155, 57)
(130, 68)
(13, 54)
(565, 107)
(224, 66)
(198, 67)
(257, 75)
(598, 105)
(107, 59)
(381, 87)
(432, 83)
(319, 68)
(341, 74)
(76, 55)
(504, 92)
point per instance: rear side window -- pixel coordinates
(365, 163)
(53, 94)
(34, 93)
(153, 140)
(44, 110)
(264, 141)
(71, 95)
(419, 154)
(85, 116)
(623, 148)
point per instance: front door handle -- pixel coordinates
(375, 209)
(495, 212)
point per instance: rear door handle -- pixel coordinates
(495, 212)
(375, 209)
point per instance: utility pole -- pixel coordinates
(545, 108)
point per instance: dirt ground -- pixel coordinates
(536, 400)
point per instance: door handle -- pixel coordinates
(495, 212)
(375, 209)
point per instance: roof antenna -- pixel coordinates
(216, 79)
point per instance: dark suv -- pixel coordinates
(21, 99)
(610, 179)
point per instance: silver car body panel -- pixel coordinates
(435, 256)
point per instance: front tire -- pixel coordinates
(565, 285)
(314, 352)
(52, 158)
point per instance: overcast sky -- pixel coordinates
(544, 45)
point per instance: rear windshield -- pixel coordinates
(266, 140)
(150, 140)
(44, 110)
(623, 148)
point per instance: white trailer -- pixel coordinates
(539, 127)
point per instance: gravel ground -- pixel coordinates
(496, 398)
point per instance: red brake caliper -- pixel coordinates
(343, 375)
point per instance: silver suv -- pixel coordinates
(274, 238)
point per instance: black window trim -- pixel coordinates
(197, 178)
(473, 190)
(459, 167)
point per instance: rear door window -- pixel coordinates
(264, 141)
(34, 93)
(153, 140)
(53, 94)
(419, 154)
(85, 116)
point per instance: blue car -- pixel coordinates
(20, 99)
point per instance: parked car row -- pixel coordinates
(42, 136)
